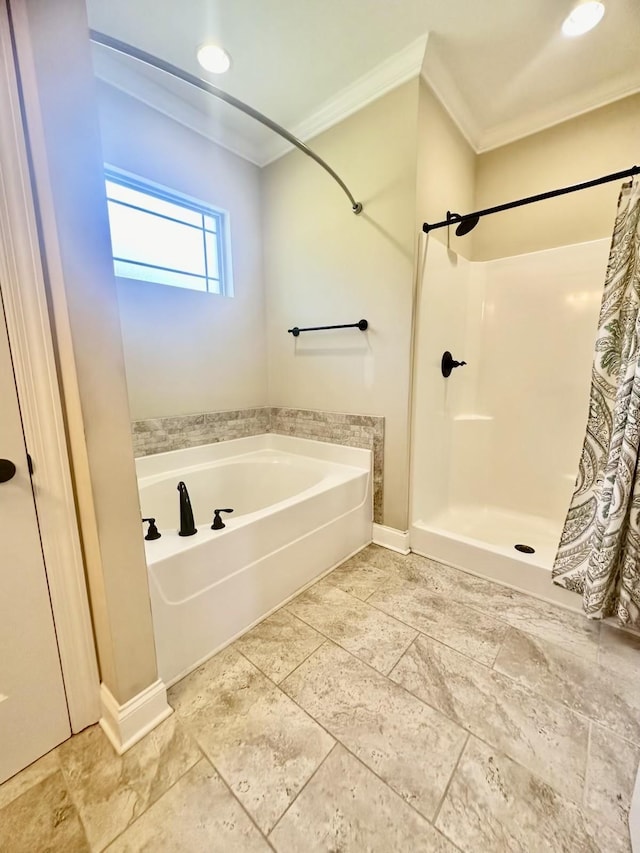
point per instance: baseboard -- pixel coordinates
(126, 724)
(389, 537)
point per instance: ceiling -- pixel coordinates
(501, 67)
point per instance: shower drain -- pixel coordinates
(525, 549)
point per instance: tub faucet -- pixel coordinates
(187, 527)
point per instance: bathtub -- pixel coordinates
(300, 508)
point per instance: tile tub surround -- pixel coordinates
(290, 739)
(159, 435)
(365, 431)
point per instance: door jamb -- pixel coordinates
(31, 342)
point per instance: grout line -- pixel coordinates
(356, 757)
(583, 803)
(157, 800)
(335, 744)
(332, 642)
(446, 790)
(500, 648)
(278, 683)
(57, 768)
(402, 654)
(206, 758)
(562, 794)
(432, 822)
(74, 803)
(322, 644)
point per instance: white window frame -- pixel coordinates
(223, 230)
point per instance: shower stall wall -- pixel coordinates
(496, 444)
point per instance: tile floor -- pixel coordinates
(397, 705)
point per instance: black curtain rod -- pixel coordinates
(470, 220)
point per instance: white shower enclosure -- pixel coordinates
(496, 445)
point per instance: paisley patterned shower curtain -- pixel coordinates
(599, 553)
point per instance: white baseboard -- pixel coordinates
(126, 724)
(389, 537)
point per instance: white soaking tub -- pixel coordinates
(300, 508)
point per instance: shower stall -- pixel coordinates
(496, 444)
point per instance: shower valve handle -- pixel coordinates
(448, 363)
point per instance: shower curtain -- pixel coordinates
(599, 552)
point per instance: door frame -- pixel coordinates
(31, 342)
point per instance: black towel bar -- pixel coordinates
(361, 324)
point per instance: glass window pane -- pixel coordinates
(213, 262)
(139, 236)
(211, 223)
(175, 279)
(165, 240)
(138, 198)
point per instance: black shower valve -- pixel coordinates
(448, 363)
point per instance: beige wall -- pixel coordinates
(446, 171)
(55, 68)
(324, 265)
(597, 143)
(185, 351)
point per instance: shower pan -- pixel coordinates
(496, 445)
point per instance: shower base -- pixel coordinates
(481, 540)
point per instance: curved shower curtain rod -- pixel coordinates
(167, 67)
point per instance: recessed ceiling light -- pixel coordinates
(214, 58)
(583, 18)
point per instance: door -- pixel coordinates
(33, 708)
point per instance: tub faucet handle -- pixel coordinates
(218, 523)
(152, 532)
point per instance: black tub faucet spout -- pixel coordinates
(187, 526)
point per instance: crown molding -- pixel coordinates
(115, 73)
(437, 76)
(388, 75)
(385, 77)
(553, 114)
(422, 56)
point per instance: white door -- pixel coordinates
(33, 708)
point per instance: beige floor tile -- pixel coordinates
(620, 651)
(197, 814)
(495, 805)
(362, 630)
(412, 747)
(377, 556)
(42, 820)
(582, 685)
(360, 579)
(346, 807)
(29, 777)
(611, 774)
(543, 736)
(442, 618)
(540, 618)
(110, 791)
(262, 744)
(277, 645)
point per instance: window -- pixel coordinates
(158, 235)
